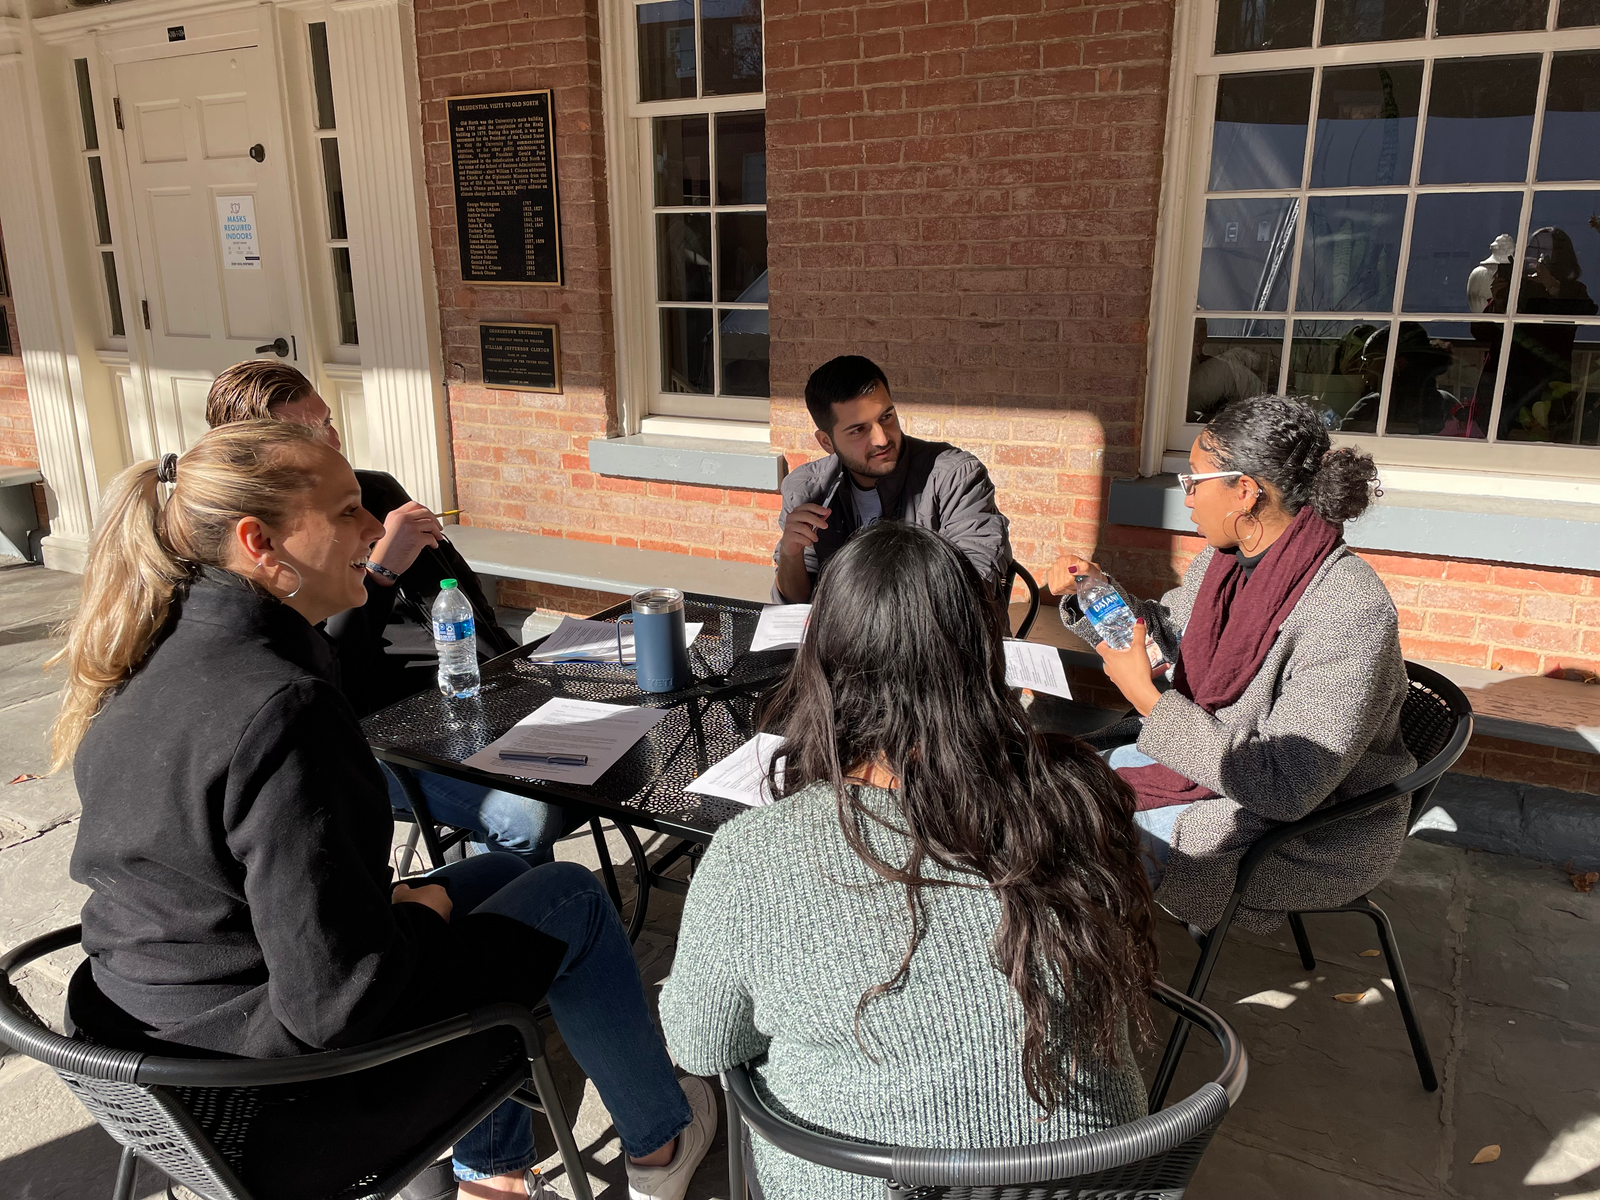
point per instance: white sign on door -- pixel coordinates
(236, 217)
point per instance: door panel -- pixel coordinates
(216, 293)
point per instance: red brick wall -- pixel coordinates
(17, 448)
(522, 460)
(967, 194)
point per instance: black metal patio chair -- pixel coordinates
(1152, 1158)
(354, 1124)
(1015, 572)
(1436, 723)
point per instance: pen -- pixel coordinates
(553, 760)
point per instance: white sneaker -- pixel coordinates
(671, 1182)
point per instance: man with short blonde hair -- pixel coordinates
(254, 390)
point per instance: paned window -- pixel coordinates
(335, 231)
(95, 181)
(699, 119)
(1399, 218)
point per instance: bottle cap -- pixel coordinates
(446, 584)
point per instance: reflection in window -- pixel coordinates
(1480, 120)
(108, 266)
(1244, 257)
(1563, 249)
(1551, 386)
(741, 254)
(1488, 16)
(1232, 360)
(344, 295)
(1259, 138)
(682, 161)
(1443, 379)
(730, 39)
(1456, 251)
(742, 158)
(1578, 14)
(321, 75)
(1263, 24)
(683, 256)
(666, 50)
(1345, 21)
(746, 351)
(91, 134)
(1326, 366)
(1350, 253)
(1569, 146)
(686, 356)
(1366, 125)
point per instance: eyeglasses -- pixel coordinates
(1188, 481)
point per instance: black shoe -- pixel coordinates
(438, 1182)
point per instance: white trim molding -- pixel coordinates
(377, 95)
(60, 419)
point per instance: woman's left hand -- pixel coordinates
(1130, 670)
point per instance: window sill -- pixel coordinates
(1539, 533)
(707, 462)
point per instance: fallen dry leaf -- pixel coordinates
(1351, 997)
(24, 779)
(1487, 1155)
(1582, 881)
(1371, 953)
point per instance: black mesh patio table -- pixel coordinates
(644, 788)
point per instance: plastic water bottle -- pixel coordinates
(455, 641)
(1107, 611)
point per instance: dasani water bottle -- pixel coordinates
(1107, 611)
(456, 642)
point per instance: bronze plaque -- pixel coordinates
(522, 358)
(503, 164)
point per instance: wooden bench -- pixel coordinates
(594, 566)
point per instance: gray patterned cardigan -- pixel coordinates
(1320, 723)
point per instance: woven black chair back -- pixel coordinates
(1152, 1158)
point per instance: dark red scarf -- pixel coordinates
(1233, 625)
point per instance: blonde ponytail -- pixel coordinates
(145, 552)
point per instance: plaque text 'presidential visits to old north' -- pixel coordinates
(503, 153)
(524, 358)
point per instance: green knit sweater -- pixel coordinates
(783, 930)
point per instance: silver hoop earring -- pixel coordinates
(299, 579)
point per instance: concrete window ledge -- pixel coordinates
(1538, 533)
(708, 462)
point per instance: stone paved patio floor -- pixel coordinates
(1503, 953)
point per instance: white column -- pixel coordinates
(373, 53)
(47, 347)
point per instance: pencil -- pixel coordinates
(454, 512)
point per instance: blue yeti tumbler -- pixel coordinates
(659, 650)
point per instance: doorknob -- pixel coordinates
(280, 347)
(258, 152)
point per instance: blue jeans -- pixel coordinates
(598, 1003)
(1155, 824)
(527, 828)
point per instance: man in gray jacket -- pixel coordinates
(875, 472)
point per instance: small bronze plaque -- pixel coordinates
(503, 165)
(522, 358)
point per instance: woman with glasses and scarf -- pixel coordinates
(1287, 681)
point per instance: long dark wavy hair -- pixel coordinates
(903, 665)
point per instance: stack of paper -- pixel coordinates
(742, 776)
(1036, 667)
(596, 641)
(781, 627)
(568, 729)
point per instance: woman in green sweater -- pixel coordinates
(938, 933)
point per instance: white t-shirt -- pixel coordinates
(869, 505)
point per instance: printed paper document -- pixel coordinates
(781, 627)
(742, 776)
(1035, 666)
(596, 641)
(604, 732)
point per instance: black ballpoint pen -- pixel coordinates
(553, 760)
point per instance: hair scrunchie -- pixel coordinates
(167, 472)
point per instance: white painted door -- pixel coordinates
(215, 238)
